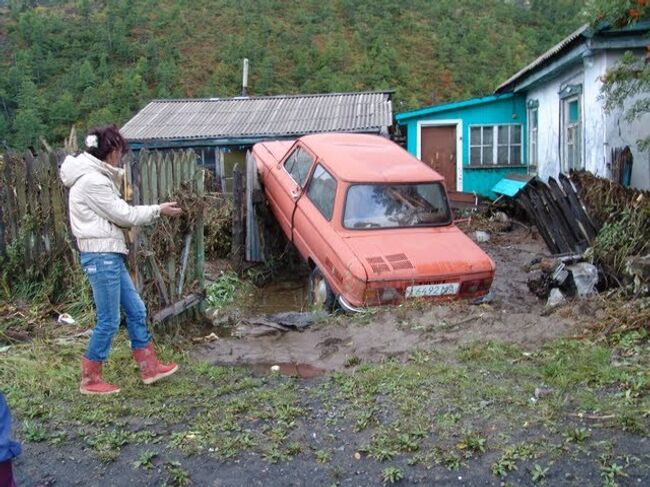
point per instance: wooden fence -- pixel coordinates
(33, 214)
(35, 235)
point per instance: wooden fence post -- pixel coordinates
(237, 220)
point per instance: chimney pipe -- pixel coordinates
(244, 82)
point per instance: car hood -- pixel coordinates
(418, 253)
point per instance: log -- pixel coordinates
(177, 308)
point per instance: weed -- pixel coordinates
(224, 290)
(392, 475)
(33, 432)
(578, 435)
(323, 456)
(352, 361)
(472, 443)
(145, 460)
(366, 418)
(538, 473)
(508, 460)
(179, 477)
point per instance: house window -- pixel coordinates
(572, 134)
(321, 191)
(533, 124)
(495, 145)
(571, 127)
(298, 164)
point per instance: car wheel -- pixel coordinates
(320, 295)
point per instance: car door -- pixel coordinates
(314, 235)
(285, 183)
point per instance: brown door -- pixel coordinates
(438, 150)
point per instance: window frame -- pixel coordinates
(496, 129)
(533, 134)
(318, 164)
(309, 169)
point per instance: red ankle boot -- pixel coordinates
(150, 369)
(91, 379)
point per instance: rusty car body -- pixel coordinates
(372, 221)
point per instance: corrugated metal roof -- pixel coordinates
(455, 105)
(267, 116)
(546, 56)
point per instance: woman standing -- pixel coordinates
(98, 217)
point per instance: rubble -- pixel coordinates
(585, 278)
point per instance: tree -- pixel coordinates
(627, 85)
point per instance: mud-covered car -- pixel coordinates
(372, 221)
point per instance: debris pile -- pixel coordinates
(555, 278)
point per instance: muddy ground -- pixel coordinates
(514, 315)
(413, 395)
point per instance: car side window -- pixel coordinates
(298, 164)
(322, 191)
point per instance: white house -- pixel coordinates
(567, 125)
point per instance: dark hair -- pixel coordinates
(108, 139)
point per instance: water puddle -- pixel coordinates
(279, 296)
(303, 371)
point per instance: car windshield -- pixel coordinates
(395, 205)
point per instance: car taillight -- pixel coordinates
(470, 287)
(381, 295)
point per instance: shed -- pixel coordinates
(473, 143)
(221, 130)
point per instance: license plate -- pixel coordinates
(432, 290)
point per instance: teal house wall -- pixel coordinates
(490, 110)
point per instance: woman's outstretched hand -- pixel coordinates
(170, 209)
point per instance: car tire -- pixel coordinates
(320, 295)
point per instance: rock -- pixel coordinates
(555, 298)
(585, 278)
(541, 392)
(539, 283)
(480, 236)
(501, 217)
(638, 269)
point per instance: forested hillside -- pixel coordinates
(89, 62)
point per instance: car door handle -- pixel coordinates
(295, 194)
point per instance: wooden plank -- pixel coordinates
(158, 279)
(199, 270)
(153, 178)
(11, 210)
(576, 207)
(177, 308)
(563, 205)
(526, 202)
(45, 200)
(25, 192)
(187, 242)
(237, 220)
(559, 222)
(546, 219)
(145, 191)
(59, 205)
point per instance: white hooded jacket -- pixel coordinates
(98, 214)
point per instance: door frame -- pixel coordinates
(458, 123)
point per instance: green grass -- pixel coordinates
(435, 409)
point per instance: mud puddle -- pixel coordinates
(278, 297)
(291, 369)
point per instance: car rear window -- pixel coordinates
(322, 191)
(395, 205)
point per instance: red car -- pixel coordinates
(371, 220)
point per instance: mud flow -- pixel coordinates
(391, 332)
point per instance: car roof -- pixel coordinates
(368, 158)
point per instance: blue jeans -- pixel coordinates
(113, 289)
